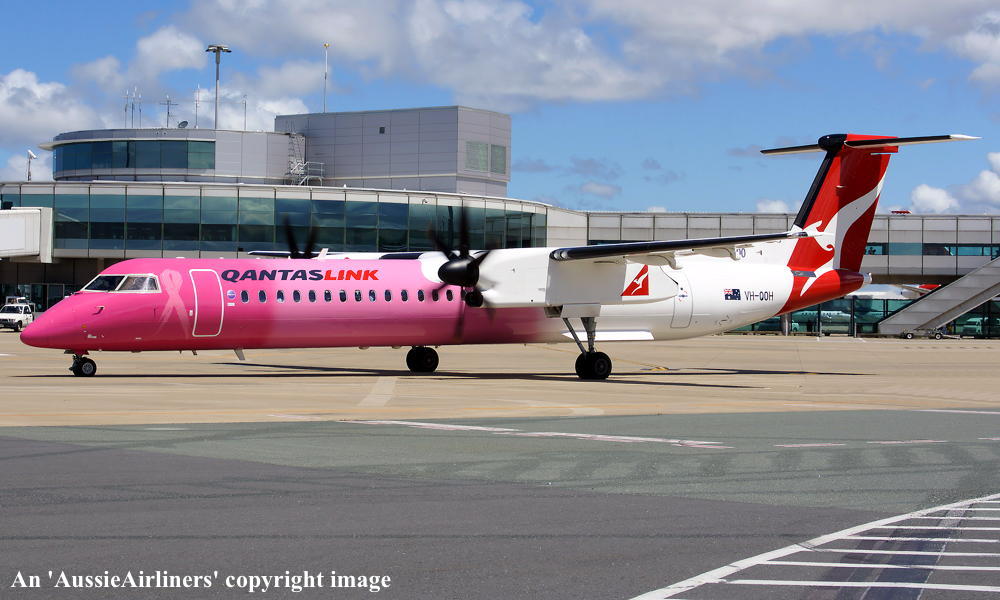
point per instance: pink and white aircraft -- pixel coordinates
(630, 291)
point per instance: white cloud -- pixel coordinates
(167, 49)
(994, 159)
(982, 45)
(601, 190)
(927, 199)
(984, 189)
(772, 206)
(32, 111)
(260, 112)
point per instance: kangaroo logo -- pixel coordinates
(639, 285)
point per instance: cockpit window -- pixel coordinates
(139, 283)
(123, 283)
(104, 283)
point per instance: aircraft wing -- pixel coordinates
(638, 248)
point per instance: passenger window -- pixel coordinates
(388, 296)
(420, 295)
(343, 296)
(403, 295)
(245, 296)
(281, 296)
(435, 296)
(371, 295)
(449, 295)
(262, 296)
(357, 295)
(296, 296)
(312, 296)
(328, 296)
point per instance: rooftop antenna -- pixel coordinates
(244, 112)
(126, 109)
(197, 101)
(135, 91)
(31, 156)
(168, 104)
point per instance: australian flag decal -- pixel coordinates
(732, 294)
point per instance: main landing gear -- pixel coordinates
(590, 364)
(421, 359)
(83, 366)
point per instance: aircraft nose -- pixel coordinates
(53, 329)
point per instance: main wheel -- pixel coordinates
(84, 367)
(938, 335)
(421, 359)
(17, 326)
(593, 365)
(908, 335)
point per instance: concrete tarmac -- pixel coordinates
(502, 476)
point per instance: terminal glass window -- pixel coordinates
(134, 154)
(477, 156)
(498, 159)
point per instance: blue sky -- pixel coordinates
(617, 105)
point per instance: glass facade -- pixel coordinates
(240, 219)
(925, 249)
(846, 315)
(134, 154)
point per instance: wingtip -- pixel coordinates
(961, 136)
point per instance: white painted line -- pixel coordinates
(626, 439)
(6, 355)
(977, 509)
(960, 412)
(812, 546)
(853, 565)
(867, 584)
(961, 518)
(435, 426)
(925, 527)
(899, 442)
(165, 428)
(880, 538)
(806, 445)
(993, 439)
(381, 392)
(908, 552)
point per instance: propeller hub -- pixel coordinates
(462, 272)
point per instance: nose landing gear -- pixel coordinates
(83, 366)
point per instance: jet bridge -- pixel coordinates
(26, 234)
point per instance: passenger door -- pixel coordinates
(209, 304)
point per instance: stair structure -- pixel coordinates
(945, 303)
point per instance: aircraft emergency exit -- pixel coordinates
(633, 291)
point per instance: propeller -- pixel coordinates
(461, 269)
(293, 248)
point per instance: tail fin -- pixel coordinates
(840, 206)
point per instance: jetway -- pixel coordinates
(945, 303)
(26, 233)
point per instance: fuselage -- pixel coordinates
(196, 304)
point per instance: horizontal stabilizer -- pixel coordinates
(875, 143)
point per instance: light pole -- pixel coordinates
(31, 156)
(218, 49)
(326, 70)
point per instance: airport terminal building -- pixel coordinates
(376, 181)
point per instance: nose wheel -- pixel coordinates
(421, 359)
(83, 366)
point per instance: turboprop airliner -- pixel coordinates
(659, 290)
